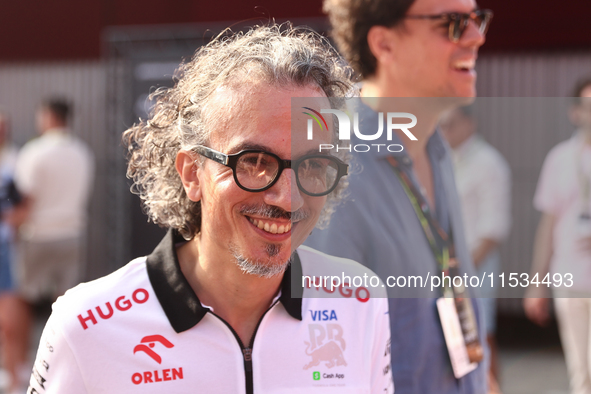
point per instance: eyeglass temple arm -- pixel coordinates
(484, 12)
(212, 154)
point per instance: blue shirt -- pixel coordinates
(378, 227)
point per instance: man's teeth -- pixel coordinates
(271, 228)
(464, 64)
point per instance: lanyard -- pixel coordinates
(440, 242)
(443, 249)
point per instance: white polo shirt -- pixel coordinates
(142, 329)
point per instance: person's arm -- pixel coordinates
(535, 302)
(381, 370)
(56, 369)
(494, 207)
(485, 246)
(18, 214)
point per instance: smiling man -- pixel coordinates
(211, 309)
(402, 218)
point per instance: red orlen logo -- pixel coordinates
(146, 345)
(151, 341)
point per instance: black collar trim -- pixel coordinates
(178, 300)
(292, 302)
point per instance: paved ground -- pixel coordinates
(533, 371)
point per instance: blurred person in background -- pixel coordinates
(55, 173)
(411, 48)
(483, 179)
(562, 248)
(13, 310)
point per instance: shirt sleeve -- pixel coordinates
(25, 172)
(546, 198)
(494, 195)
(56, 369)
(381, 370)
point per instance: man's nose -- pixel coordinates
(285, 192)
(472, 37)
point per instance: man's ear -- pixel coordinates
(381, 42)
(188, 171)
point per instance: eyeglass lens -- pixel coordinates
(256, 170)
(461, 23)
(317, 175)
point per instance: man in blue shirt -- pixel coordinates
(421, 49)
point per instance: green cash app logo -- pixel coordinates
(316, 375)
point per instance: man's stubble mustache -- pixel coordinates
(274, 212)
(267, 269)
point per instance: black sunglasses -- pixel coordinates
(458, 22)
(256, 170)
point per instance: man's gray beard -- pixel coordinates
(263, 269)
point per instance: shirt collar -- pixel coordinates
(56, 131)
(178, 300)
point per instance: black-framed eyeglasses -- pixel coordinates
(257, 170)
(458, 22)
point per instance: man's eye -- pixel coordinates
(255, 160)
(314, 164)
(317, 164)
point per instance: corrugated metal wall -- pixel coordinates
(22, 86)
(531, 75)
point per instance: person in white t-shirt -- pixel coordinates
(212, 309)
(562, 250)
(54, 172)
(483, 179)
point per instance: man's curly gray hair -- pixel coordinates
(279, 55)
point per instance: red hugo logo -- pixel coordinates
(328, 284)
(122, 304)
(164, 375)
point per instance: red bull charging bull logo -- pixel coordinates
(327, 345)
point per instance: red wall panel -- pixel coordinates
(71, 29)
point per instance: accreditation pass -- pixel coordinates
(454, 339)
